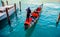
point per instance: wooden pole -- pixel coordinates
(15, 8)
(11, 28)
(20, 5)
(7, 2)
(8, 17)
(2, 3)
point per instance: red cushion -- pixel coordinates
(35, 14)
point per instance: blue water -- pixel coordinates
(45, 26)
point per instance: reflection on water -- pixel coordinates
(30, 31)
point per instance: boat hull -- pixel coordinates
(33, 18)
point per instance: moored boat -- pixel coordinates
(33, 17)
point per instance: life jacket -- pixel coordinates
(28, 21)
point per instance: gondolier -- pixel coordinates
(28, 12)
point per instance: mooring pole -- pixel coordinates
(20, 5)
(2, 3)
(8, 17)
(7, 2)
(15, 8)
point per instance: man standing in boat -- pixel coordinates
(28, 12)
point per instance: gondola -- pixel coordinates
(33, 17)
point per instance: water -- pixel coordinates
(45, 26)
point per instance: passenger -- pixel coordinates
(28, 12)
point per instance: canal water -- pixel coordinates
(45, 26)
